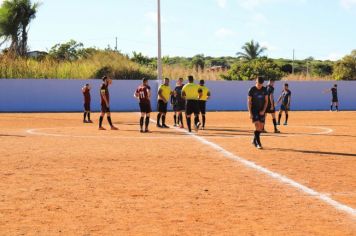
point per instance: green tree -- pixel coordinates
(248, 70)
(345, 69)
(198, 62)
(15, 17)
(251, 50)
(70, 51)
(141, 59)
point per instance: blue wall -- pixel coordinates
(32, 95)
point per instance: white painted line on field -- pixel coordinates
(281, 178)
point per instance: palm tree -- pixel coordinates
(15, 17)
(252, 50)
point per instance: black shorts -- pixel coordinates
(335, 100)
(257, 117)
(192, 106)
(284, 108)
(162, 106)
(179, 106)
(145, 107)
(104, 108)
(202, 107)
(86, 106)
(269, 109)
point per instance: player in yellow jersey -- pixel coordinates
(202, 101)
(192, 93)
(164, 94)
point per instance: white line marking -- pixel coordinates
(281, 178)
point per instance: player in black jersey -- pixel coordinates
(178, 104)
(334, 98)
(257, 105)
(271, 108)
(285, 100)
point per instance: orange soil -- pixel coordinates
(68, 178)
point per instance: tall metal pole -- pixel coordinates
(293, 63)
(159, 56)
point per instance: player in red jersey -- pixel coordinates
(105, 103)
(87, 99)
(143, 95)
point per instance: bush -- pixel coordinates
(248, 70)
(345, 69)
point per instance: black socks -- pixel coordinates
(180, 117)
(275, 124)
(204, 119)
(175, 119)
(158, 118)
(147, 122)
(189, 123)
(85, 116)
(109, 120)
(88, 115)
(141, 122)
(287, 118)
(101, 121)
(163, 119)
(279, 118)
(196, 120)
(257, 139)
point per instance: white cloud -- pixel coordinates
(221, 3)
(347, 4)
(224, 33)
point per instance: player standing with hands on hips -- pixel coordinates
(285, 100)
(334, 98)
(105, 103)
(87, 99)
(257, 105)
(205, 96)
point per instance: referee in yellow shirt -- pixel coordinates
(164, 93)
(202, 101)
(192, 93)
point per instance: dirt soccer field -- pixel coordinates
(59, 176)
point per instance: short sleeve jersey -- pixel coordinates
(334, 93)
(191, 91)
(285, 96)
(270, 91)
(143, 93)
(177, 97)
(258, 98)
(104, 91)
(205, 92)
(166, 91)
(86, 94)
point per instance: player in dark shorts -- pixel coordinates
(334, 98)
(205, 96)
(257, 105)
(143, 94)
(178, 104)
(105, 103)
(271, 109)
(285, 100)
(164, 94)
(191, 93)
(87, 99)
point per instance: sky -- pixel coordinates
(323, 29)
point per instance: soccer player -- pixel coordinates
(334, 99)
(178, 104)
(285, 100)
(205, 96)
(164, 93)
(257, 105)
(87, 99)
(271, 109)
(143, 94)
(105, 103)
(191, 93)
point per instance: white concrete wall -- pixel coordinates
(32, 95)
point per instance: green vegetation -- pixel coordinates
(345, 69)
(251, 50)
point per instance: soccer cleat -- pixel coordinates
(285, 123)
(102, 128)
(277, 131)
(141, 130)
(175, 125)
(114, 128)
(181, 126)
(159, 126)
(259, 146)
(264, 131)
(90, 121)
(147, 131)
(165, 126)
(197, 126)
(203, 128)
(278, 123)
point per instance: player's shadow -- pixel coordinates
(10, 135)
(314, 152)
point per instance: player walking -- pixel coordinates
(87, 99)
(205, 96)
(285, 100)
(143, 94)
(105, 103)
(271, 109)
(178, 104)
(257, 105)
(164, 93)
(334, 99)
(191, 93)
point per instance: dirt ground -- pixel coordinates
(59, 176)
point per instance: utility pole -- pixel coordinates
(293, 62)
(159, 56)
(116, 44)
